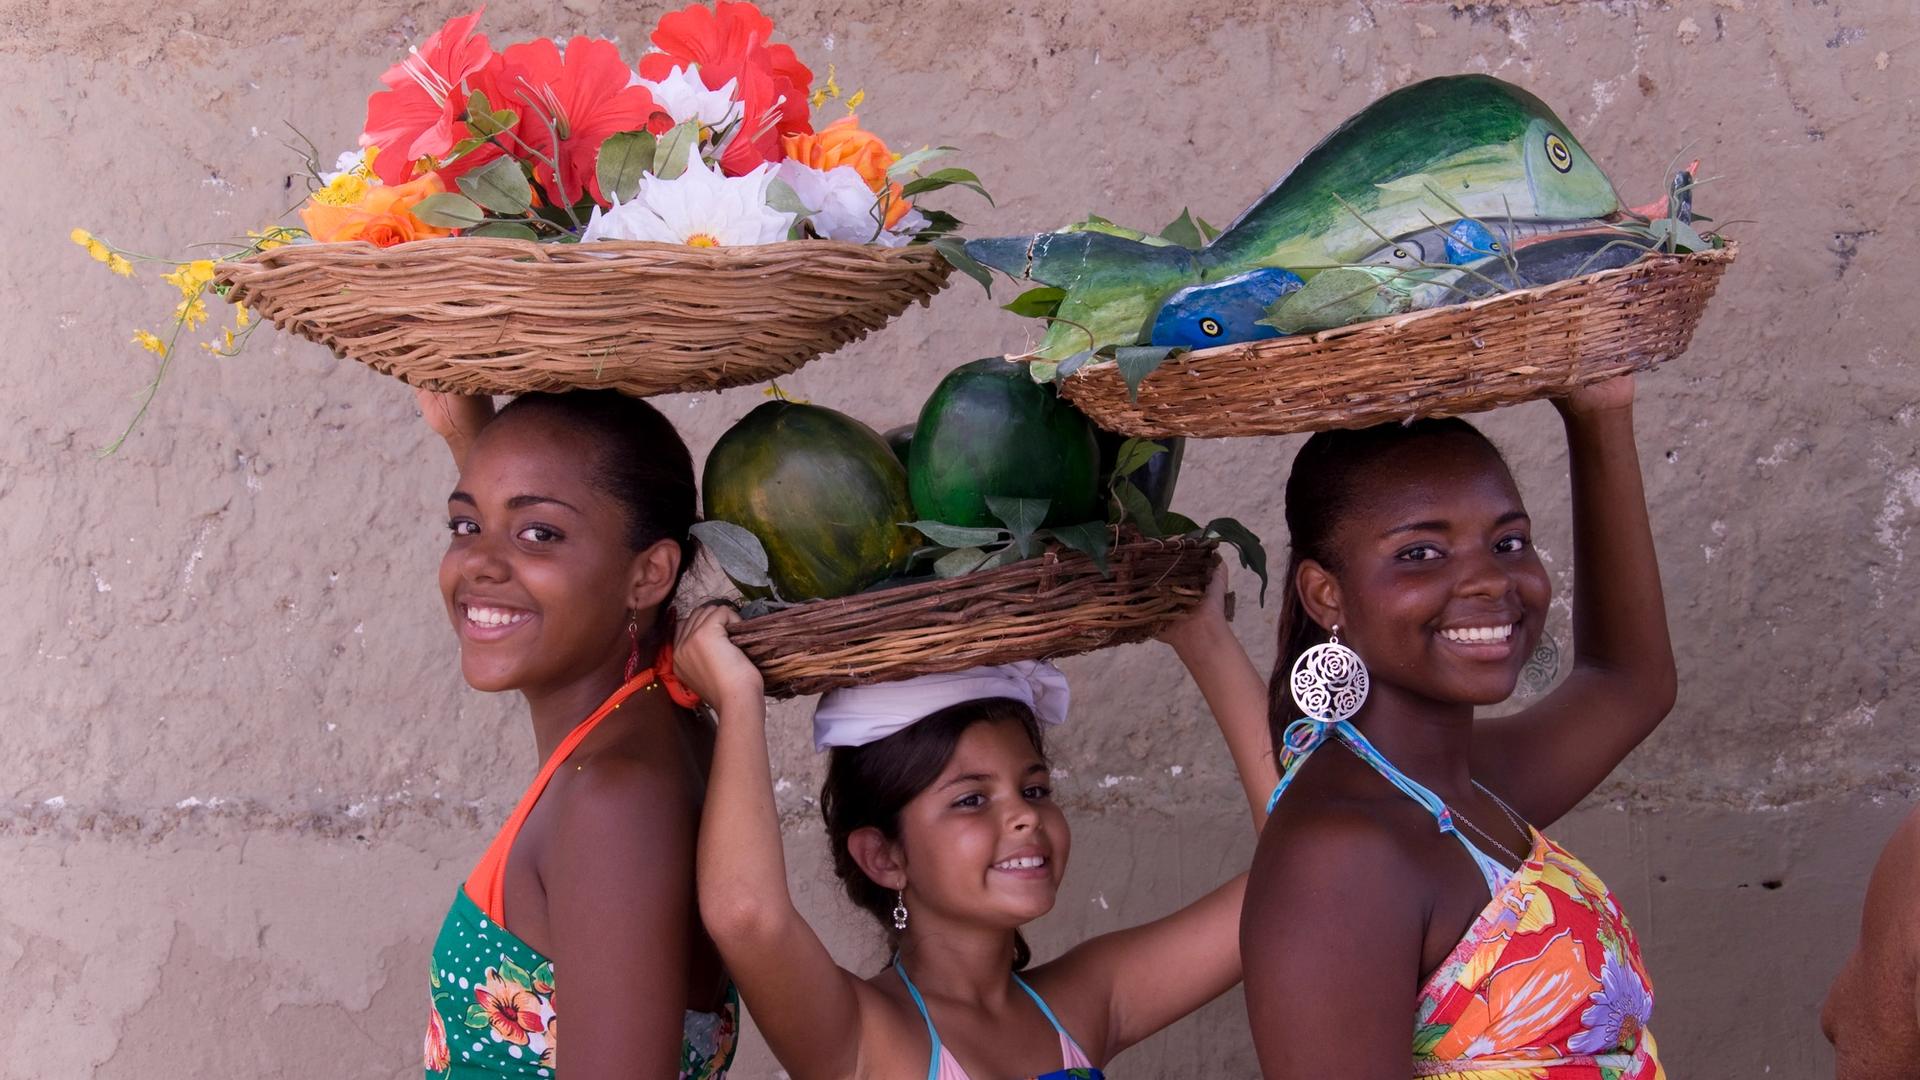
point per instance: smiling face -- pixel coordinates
(985, 842)
(1439, 588)
(539, 578)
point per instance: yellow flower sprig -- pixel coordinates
(830, 91)
(193, 279)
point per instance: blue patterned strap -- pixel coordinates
(1305, 735)
(1048, 1013)
(933, 1059)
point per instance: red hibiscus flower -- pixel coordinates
(727, 42)
(418, 115)
(583, 95)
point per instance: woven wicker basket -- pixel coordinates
(1055, 604)
(481, 315)
(1464, 358)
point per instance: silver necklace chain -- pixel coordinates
(1518, 825)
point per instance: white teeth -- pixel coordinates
(1479, 634)
(481, 616)
(1029, 862)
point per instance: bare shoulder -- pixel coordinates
(1870, 1012)
(627, 800)
(1339, 840)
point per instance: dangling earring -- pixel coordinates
(1542, 667)
(633, 653)
(900, 910)
(1329, 682)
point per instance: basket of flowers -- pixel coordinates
(541, 217)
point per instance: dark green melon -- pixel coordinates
(1156, 479)
(901, 440)
(821, 490)
(989, 429)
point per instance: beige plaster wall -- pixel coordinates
(242, 776)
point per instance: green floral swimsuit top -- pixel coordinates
(493, 994)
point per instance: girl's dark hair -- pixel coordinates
(642, 462)
(867, 787)
(1330, 477)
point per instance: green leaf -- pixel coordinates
(1139, 361)
(1135, 508)
(954, 250)
(908, 163)
(957, 536)
(1022, 518)
(738, 551)
(1428, 1036)
(504, 230)
(623, 159)
(1071, 364)
(513, 972)
(1173, 523)
(449, 211)
(939, 223)
(1677, 236)
(544, 973)
(1134, 455)
(1038, 303)
(1091, 537)
(1207, 232)
(782, 197)
(500, 187)
(477, 1017)
(1184, 232)
(1000, 558)
(945, 178)
(955, 563)
(670, 156)
(1253, 555)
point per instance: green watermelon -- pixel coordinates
(822, 492)
(1155, 479)
(989, 429)
(901, 439)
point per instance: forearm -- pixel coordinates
(1237, 696)
(1620, 619)
(741, 864)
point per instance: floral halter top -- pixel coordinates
(493, 1013)
(1547, 984)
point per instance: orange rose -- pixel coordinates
(381, 217)
(845, 142)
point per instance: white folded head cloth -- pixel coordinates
(858, 715)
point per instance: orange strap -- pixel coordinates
(486, 886)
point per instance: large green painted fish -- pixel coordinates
(1443, 171)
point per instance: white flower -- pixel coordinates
(700, 208)
(842, 207)
(684, 97)
(349, 161)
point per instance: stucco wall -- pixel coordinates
(242, 775)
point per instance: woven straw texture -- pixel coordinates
(1464, 358)
(1055, 604)
(480, 315)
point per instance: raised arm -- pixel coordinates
(1547, 758)
(804, 1004)
(457, 418)
(1233, 688)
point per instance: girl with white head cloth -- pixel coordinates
(940, 809)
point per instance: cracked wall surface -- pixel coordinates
(243, 774)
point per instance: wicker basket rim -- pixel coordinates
(911, 591)
(507, 248)
(1390, 323)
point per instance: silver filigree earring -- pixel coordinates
(900, 910)
(1329, 682)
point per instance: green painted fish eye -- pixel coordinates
(1558, 154)
(1210, 327)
